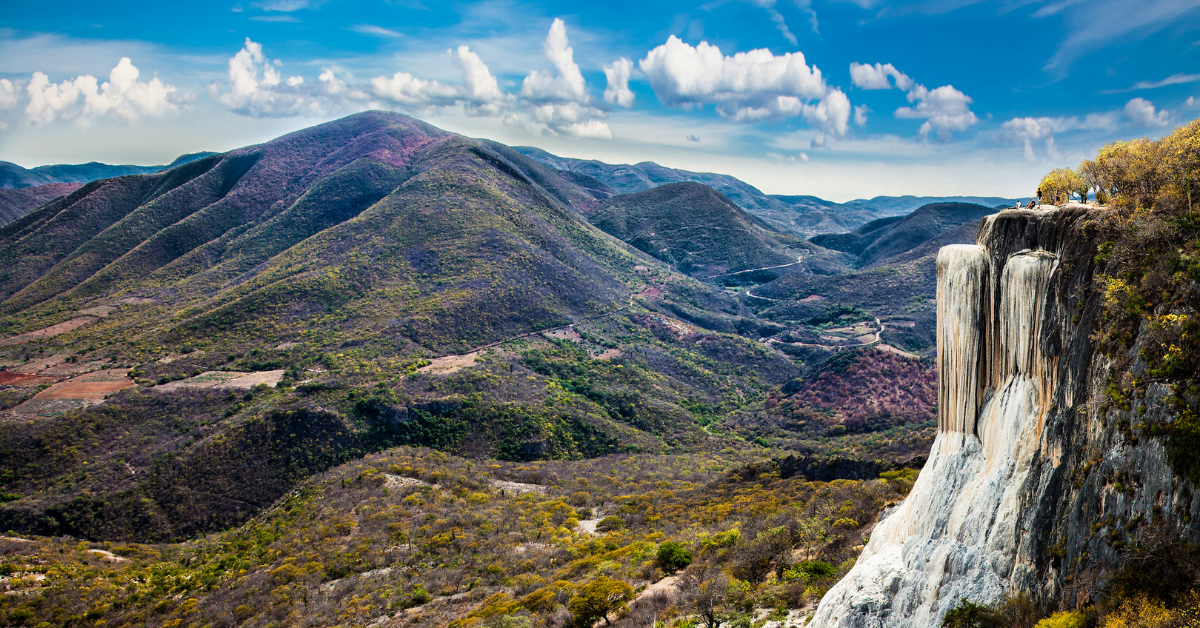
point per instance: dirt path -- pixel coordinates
(799, 258)
(53, 330)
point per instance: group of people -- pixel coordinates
(1034, 201)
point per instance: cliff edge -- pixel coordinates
(1034, 486)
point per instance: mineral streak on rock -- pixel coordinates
(956, 536)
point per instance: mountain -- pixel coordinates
(896, 205)
(802, 215)
(888, 237)
(695, 228)
(13, 176)
(15, 203)
(402, 285)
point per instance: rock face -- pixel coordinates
(1020, 494)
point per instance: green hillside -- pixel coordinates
(695, 229)
(376, 372)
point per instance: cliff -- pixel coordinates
(1035, 484)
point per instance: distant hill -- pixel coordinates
(13, 176)
(15, 203)
(892, 205)
(693, 227)
(888, 237)
(800, 214)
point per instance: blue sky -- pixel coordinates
(841, 99)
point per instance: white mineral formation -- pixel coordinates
(956, 535)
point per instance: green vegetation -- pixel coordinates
(1147, 262)
(695, 229)
(438, 539)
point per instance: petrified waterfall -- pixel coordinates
(958, 533)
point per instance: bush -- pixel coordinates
(1064, 619)
(972, 615)
(597, 599)
(673, 556)
(610, 523)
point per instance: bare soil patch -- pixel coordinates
(22, 380)
(53, 330)
(136, 300)
(449, 364)
(609, 354)
(73, 394)
(517, 487)
(93, 386)
(40, 364)
(568, 333)
(225, 379)
(67, 368)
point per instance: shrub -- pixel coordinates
(597, 599)
(673, 556)
(1064, 619)
(610, 523)
(972, 615)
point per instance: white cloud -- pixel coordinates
(944, 110)
(747, 87)
(9, 93)
(404, 89)
(572, 119)
(867, 76)
(561, 101)
(568, 84)
(377, 31)
(618, 92)
(270, 96)
(860, 115)
(122, 96)
(777, 17)
(1190, 102)
(481, 92)
(1028, 130)
(1141, 113)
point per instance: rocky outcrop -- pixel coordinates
(1020, 494)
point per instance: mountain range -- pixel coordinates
(803, 215)
(197, 352)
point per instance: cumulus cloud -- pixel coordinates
(1028, 130)
(405, 89)
(479, 92)
(258, 90)
(567, 84)
(618, 92)
(9, 94)
(560, 100)
(747, 87)
(867, 76)
(944, 110)
(860, 115)
(122, 96)
(1141, 113)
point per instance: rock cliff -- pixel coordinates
(1035, 485)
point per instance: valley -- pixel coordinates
(377, 373)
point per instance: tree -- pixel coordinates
(1060, 183)
(707, 591)
(597, 599)
(673, 556)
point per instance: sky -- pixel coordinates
(840, 99)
